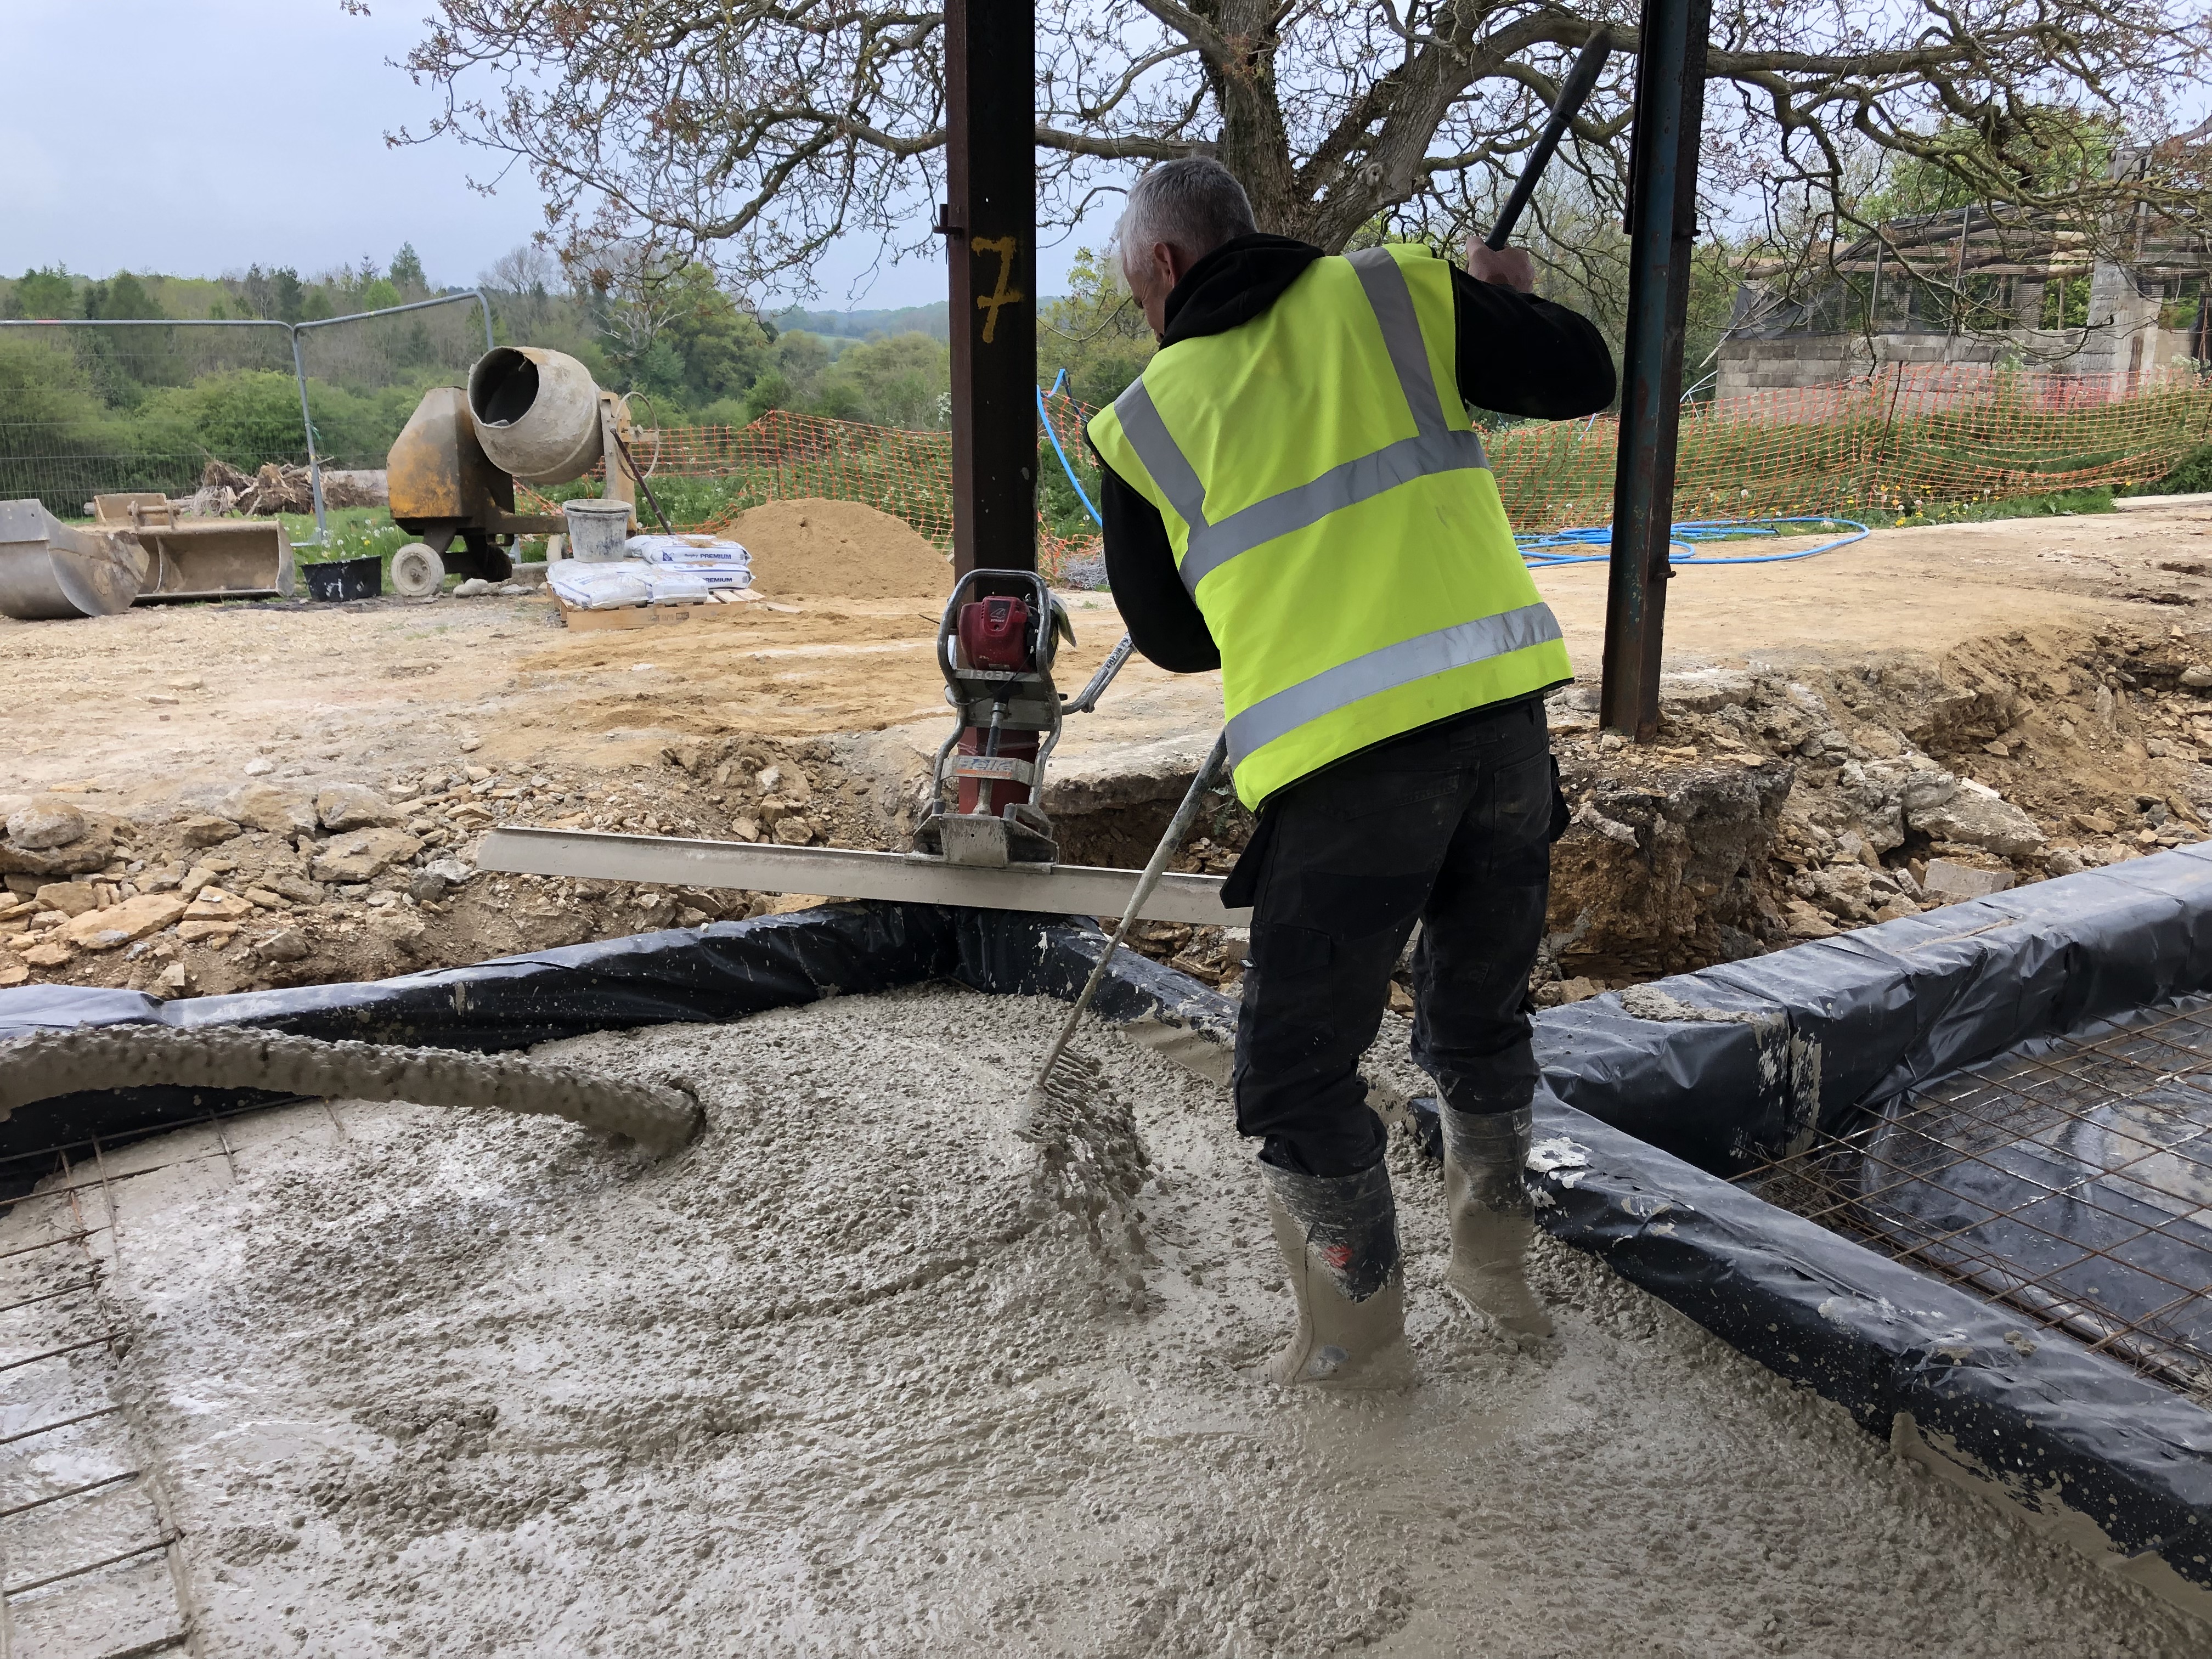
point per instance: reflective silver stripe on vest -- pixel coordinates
(1361, 479)
(1392, 297)
(1394, 665)
(1163, 458)
(1434, 447)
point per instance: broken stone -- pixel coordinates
(91, 853)
(213, 904)
(2064, 862)
(1703, 690)
(12, 970)
(175, 978)
(2196, 677)
(194, 931)
(471, 589)
(745, 829)
(688, 917)
(265, 899)
(46, 824)
(264, 806)
(352, 806)
(1946, 883)
(133, 918)
(361, 855)
(1806, 921)
(794, 832)
(289, 945)
(71, 898)
(205, 831)
(1972, 813)
(49, 952)
(259, 768)
(428, 888)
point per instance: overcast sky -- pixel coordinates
(200, 136)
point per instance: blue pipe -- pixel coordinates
(1537, 547)
(1079, 495)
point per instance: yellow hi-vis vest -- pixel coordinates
(1332, 511)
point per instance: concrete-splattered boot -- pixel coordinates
(1338, 1236)
(1487, 1200)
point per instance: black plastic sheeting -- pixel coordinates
(1805, 1037)
(724, 971)
(1813, 1032)
(2055, 1426)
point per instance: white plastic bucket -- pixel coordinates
(598, 530)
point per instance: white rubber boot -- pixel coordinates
(1338, 1236)
(1487, 1200)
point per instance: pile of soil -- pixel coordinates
(813, 548)
(828, 1382)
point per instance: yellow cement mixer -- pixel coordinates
(528, 414)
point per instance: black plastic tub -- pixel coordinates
(345, 579)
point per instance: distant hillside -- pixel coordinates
(933, 319)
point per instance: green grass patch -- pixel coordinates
(2056, 504)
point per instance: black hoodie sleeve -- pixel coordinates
(1163, 621)
(1518, 355)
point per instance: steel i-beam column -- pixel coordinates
(1662, 222)
(990, 230)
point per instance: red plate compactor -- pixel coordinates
(996, 646)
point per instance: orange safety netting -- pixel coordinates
(1906, 437)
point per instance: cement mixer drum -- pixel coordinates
(536, 414)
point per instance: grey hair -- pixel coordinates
(1193, 203)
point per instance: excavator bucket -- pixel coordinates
(200, 558)
(50, 571)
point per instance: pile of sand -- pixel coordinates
(813, 548)
(422, 1381)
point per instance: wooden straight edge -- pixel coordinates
(836, 872)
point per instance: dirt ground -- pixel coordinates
(2049, 661)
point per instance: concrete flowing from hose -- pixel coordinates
(658, 1118)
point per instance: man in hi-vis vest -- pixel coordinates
(1294, 493)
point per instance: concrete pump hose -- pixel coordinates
(658, 1118)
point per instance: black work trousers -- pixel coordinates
(1450, 826)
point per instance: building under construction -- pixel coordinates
(1970, 287)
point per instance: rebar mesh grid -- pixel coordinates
(129, 1565)
(2070, 1178)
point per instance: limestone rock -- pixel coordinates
(71, 898)
(264, 806)
(2196, 677)
(49, 952)
(206, 831)
(259, 768)
(194, 931)
(1703, 690)
(289, 945)
(352, 806)
(362, 854)
(90, 852)
(213, 904)
(1946, 882)
(1977, 814)
(793, 831)
(102, 930)
(430, 886)
(299, 890)
(12, 969)
(46, 824)
(471, 589)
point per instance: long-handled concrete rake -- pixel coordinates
(1061, 1097)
